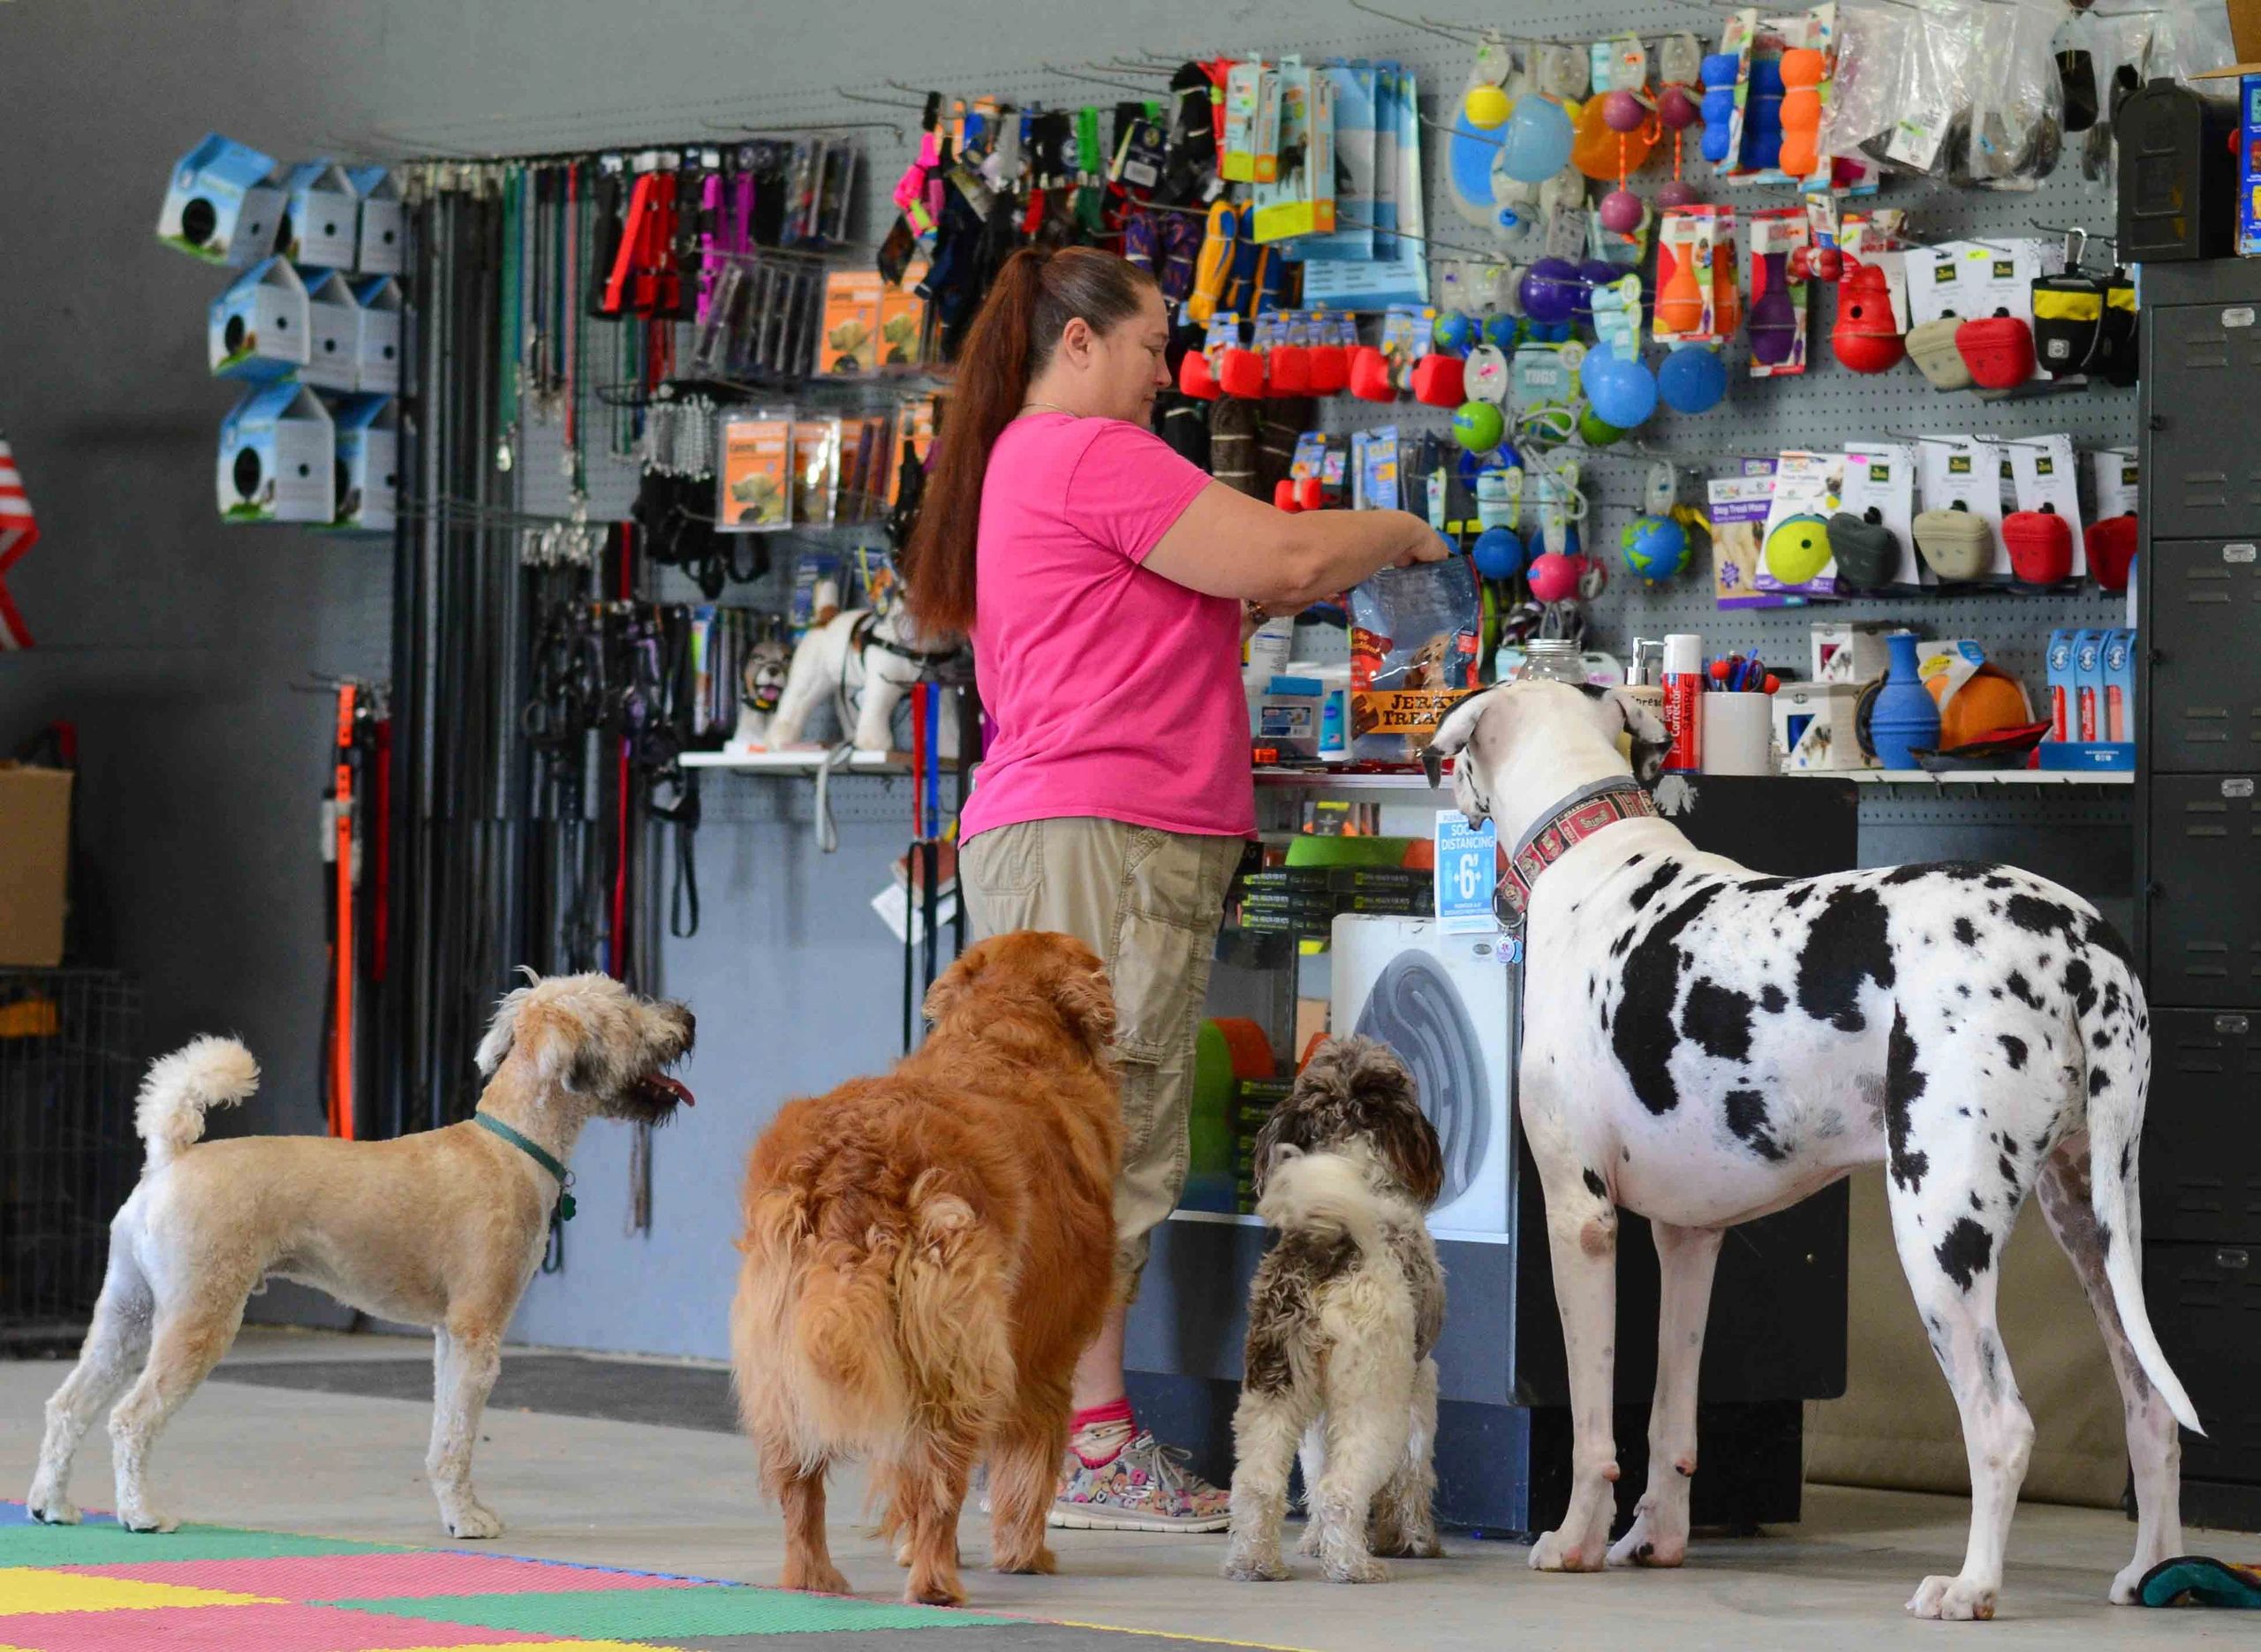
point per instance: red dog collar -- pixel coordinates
(1581, 816)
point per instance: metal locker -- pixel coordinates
(2202, 1127)
(2205, 696)
(2205, 1305)
(2204, 902)
(2202, 474)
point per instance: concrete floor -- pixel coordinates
(676, 1500)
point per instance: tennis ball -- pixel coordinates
(1487, 107)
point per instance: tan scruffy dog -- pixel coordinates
(443, 1229)
(926, 1254)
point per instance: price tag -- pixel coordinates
(1467, 868)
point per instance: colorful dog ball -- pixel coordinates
(1597, 432)
(1692, 379)
(1621, 393)
(1454, 333)
(1622, 112)
(1798, 549)
(1488, 106)
(1620, 212)
(1655, 548)
(1549, 291)
(1537, 142)
(1498, 553)
(1555, 575)
(1479, 426)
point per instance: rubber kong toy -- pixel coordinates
(1866, 338)
(1801, 70)
(2040, 544)
(1240, 371)
(1719, 72)
(2111, 550)
(1287, 370)
(1195, 378)
(1370, 380)
(1439, 380)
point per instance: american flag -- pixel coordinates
(19, 532)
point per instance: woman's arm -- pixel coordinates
(1225, 544)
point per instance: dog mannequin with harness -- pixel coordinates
(868, 661)
(1704, 1046)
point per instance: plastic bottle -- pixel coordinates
(1683, 702)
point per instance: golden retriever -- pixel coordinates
(926, 1254)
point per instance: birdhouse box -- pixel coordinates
(368, 462)
(277, 458)
(223, 203)
(322, 216)
(334, 334)
(380, 307)
(261, 328)
(382, 239)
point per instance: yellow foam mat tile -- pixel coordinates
(32, 1589)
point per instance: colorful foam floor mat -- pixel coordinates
(96, 1587)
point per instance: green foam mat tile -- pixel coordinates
(114, 1545)
(650, 1615)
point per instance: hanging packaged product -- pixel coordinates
(1989, 284)
(816, 472)
(381, 225)
(1777, 318)
(1252, 134)
(1696, 280)
(852, 300)
(1795, 554)
(1958, 533)
(333, 333)
(1872, 535)
(1415, 634)
(368, 462)
(223, 204)
(278, 454)
(755, 482)
(261, 326)
(1375, 468)
(902, 321)
(2045, 478)
(1738, 506)
(1300, 197)
(320, 216)
(378, 303)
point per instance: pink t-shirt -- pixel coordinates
(1116, 692)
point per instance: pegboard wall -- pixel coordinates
(1824, 407)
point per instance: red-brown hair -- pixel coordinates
(1034, 297)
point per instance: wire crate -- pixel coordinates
(70, 1053)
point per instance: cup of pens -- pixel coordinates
(1739, 717)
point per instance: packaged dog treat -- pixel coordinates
(1415, 635)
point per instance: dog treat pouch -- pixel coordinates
(1415, 635)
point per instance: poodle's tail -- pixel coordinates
(168, 1115)
(1326, 1192)
(852, 1328)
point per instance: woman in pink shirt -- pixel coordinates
(1103, 580)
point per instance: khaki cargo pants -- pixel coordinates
(1149, 903)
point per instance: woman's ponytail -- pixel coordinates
(1035, 296)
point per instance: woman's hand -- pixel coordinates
(1252, 615)
(1427, 547)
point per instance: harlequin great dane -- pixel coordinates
(1704, 1045)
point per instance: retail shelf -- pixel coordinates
(799, 761)
(1967, 777)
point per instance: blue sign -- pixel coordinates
(1468, 858)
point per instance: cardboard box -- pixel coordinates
(1852, 651)
(322, 216)
(368, 462)
(1814, 725)
(278, 454)
(35, 864)
(380, 307)
(381, 244)
(261, 328)
(852, 299)
(333, 333)
(223, 204)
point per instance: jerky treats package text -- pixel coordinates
(1415, 633)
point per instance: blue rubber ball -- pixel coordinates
(1454, 334)
(1621, 393)
(1499, 554)
(1692, 379)
(1655, 548)
(1500, 331)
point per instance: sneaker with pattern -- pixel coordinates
(1145, 1487)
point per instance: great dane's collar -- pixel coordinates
(1584, 812)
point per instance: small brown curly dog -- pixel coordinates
(927, 1255)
